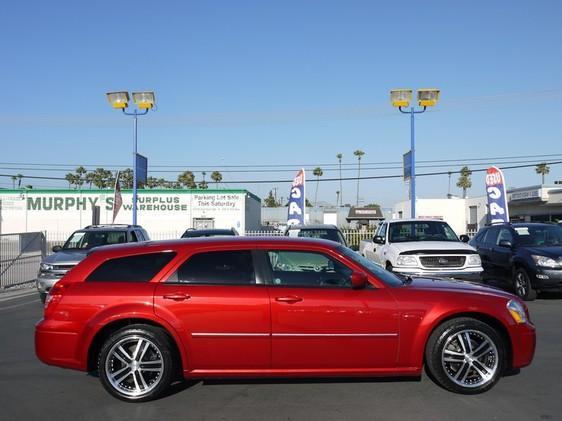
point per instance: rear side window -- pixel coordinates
(217, 267)
(138, 268)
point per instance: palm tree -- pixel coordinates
(71, 178)
(203, 184)
(151, 182)
(216, 177)
(464, 181)
(126, 178)
(340, 193)
(80, 172)
(89, 178)
(187, 179)
(318, 173)
(358, 153)
(100, 178)
(543, 170)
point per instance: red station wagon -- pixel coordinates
(144, 314)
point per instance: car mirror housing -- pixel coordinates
(464, 238)
(56, 249)
(354, 247)
(378, 239)
(358, 280)
(505, 243)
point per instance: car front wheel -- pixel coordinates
(136, 364)
(465, 356)
(522, 285)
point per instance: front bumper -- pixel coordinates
(464, 274)
(547, 280)
(524, 341)
(44, 283)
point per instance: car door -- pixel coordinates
(501, 256)
(220, 308)
(484, 249)
(379, 249)
(319, 322)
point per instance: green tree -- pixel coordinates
(71, 178)
(151, 182)
(102, 178)
(270, 201)
(543, 170)
(318, 173)
(126, 178)
(216, 177)
(80, 176)
(203, 184)
(464, 181)
(358, 153)
(307, 203)
(340, 194)
(89, 178)
(187, 179)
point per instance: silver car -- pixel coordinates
(65, 257)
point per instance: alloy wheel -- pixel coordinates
(134, 366)
(520, 284)
(470, 358)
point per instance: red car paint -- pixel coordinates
(268, 330)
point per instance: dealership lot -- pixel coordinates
(31, 390)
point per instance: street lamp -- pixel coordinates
(401, 98)
(144, 101)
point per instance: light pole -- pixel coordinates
(144, 101)
(401, 98)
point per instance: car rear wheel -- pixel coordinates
(389, 267)
(136, 363)
(465, 356)
(522, 285)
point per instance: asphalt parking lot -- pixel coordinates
(30, 390)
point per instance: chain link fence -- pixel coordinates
(20, 256)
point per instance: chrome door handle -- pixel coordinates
(177, 297)
(290, 299)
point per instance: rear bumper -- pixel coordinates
(56, 345)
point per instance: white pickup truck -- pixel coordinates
(422, 248)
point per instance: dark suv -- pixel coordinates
(75, 249)
(527, 257)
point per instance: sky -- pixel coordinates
(283, 84)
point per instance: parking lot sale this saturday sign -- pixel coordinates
(297, 200)
(497, 199)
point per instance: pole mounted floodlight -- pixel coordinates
(401, 98)
(144, 101)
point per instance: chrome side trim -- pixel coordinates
(233, 335)
(337, 335)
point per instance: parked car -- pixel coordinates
(422, 247)
(524, 257)
(78, 245)
(321, 231)
(142, 314)
(214, 232)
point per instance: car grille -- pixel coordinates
(63, 267)
(442, 261)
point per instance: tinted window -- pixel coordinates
(134, 237)
(384, 275)
(89, 239)
(505, 235)
(539, 235)
(308, 269)
(217, 267)
(138, 268)
(491, 236)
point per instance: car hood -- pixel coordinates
(66, 256)
(421, 247)
(554, 252)
(456, 285)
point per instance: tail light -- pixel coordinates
(54, 296)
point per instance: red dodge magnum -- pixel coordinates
(144, 314)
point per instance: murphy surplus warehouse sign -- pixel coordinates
(160, 210)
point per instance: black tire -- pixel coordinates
(389, 267)
(156, 362)
(43, 296)
(522, 285)
(443, 349)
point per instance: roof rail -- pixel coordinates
(112, 226)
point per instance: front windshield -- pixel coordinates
(324, 234)
(382, 274)
(83, 240)
(401, 232)
(539, 236)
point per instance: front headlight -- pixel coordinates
(474, 260)
(406, 261)
(517, 311)
(546, 262)
(45, 267)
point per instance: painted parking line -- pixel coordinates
(14, 295)
(19, 305)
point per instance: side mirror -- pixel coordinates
(358, 280)
(505, 243)
(464, 238)
(56, 248)
(378, 239)
(354, 247)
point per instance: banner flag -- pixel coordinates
(117, 199)
(297, 200)
(497, 198)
